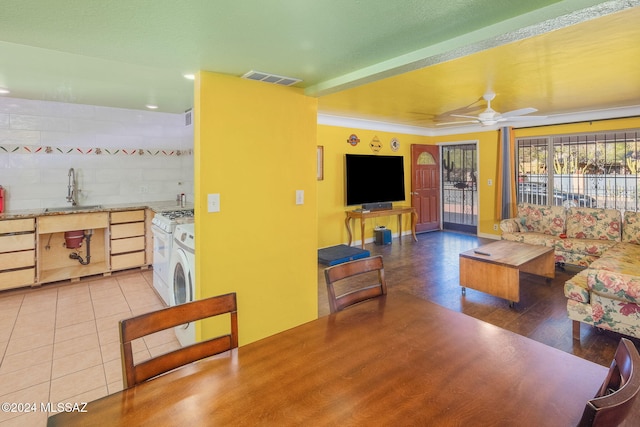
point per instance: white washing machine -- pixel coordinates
(183, 278)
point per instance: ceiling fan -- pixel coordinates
(491, 117)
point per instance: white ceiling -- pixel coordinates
(409, 62)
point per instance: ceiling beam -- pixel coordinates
(540, 21)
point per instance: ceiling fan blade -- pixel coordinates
(520, 112)
(465, 117)
(474, 106)
(420, 113)
(456, 123)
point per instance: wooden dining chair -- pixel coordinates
(350, 269)
(620, 388)
(145, 324)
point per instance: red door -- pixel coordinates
(425, 186)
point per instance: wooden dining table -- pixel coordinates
(394, 360)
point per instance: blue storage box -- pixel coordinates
(383, 236)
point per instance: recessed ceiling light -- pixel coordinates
(4, 91)
(190, 76)
(151, 106)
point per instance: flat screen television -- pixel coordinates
(373, 179)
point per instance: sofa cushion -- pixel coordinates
(592, 247)
(542, 219)
(624, 252)
(594, 223)
(618, 265)
(631, 227)
(510, 225)
(533, 238)
(622, 258)
(574, 258)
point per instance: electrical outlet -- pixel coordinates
(144, 189)
(495, 227)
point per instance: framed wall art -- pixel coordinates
(320, 162)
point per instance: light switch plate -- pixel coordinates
(213, 202)
(299, 197)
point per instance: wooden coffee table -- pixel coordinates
(495, 268)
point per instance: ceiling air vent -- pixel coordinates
(270, 78)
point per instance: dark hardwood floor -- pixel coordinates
(429, 269)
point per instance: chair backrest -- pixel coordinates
(350, 269)
(620, 388)
(145, 324)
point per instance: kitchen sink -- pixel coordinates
(74, 208)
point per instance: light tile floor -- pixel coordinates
(60, 343)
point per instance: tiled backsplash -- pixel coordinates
(119, 155)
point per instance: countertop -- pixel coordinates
(159, 206)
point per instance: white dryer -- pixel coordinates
(183, 278)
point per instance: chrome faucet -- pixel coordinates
(72, 188)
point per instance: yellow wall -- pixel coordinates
(331, 205)
(255, 145)
(331, 198)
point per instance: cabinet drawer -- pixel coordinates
(120, 231)
(135, 259)
(127, 216)
(17, 225)
(129, 244)
(18, 278)
(71, 222)
(17, 242)
(12, 260)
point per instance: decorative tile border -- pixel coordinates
(41, 149)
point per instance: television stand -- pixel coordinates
(363, 215)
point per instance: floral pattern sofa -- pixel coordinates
(606, 294)
(579, 236)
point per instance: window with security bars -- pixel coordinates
(592, 170)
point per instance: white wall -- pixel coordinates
(74, 134)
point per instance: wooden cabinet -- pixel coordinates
(149, 238)
(17, 253)
(33, 251)
(128, 233)
(54, 260)
(70, 222)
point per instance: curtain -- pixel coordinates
(506, 185)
